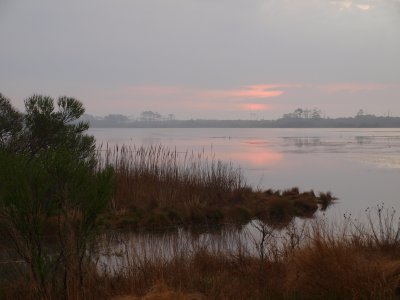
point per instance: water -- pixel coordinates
(359, 166)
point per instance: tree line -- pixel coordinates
(299, 118)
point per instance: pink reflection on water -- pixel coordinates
(258, 158)
(253, 153)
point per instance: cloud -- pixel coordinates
(352, 87)
(184, 99)
(255, 106)
(248, 92)
(363, 6)
(342, 5)
(349, 5)
(235, 94)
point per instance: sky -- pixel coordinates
(224, 59)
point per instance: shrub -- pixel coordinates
(49, 183)
(58, 190)
(10, 124)
(43, 127)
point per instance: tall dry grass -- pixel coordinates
(315, 261)
(338, 265)
(160, 187)
(318, 260)
(170, 184)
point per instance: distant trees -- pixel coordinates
(150, 116)
(316, 114)
(360, 113)
(116, 118)
(300, 117)
(301, 113)
(145, 118)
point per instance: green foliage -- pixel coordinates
(43, 127)
(49, 182)
(53, 189)
(10, 124)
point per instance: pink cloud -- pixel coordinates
(255, 106)
(247, 92)
(181, 96)
(257, 91)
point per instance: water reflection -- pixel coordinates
(253, 153)
(359, 166)
(256, 158)
(122, 250)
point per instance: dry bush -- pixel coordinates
(335, 264)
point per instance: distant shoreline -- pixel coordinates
(367, 121)
(298, 119)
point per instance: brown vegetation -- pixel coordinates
(157, 187)
(314, 261)
(162, 292)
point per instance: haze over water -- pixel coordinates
(359, 166)
(205, 59)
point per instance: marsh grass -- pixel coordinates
(160, 187)
(317, 260)
(181, 178)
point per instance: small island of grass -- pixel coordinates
(158, 188)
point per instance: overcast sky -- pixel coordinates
(222, 59)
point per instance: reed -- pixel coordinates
(160, 187)
(317, 260)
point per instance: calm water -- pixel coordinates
(359, 166)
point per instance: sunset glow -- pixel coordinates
(268, 99)
(247, 92)
(257, 91)
(255, 106)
